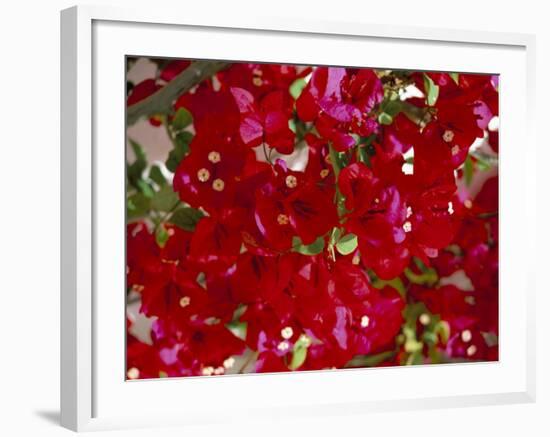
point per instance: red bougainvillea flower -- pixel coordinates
(214, 112)
(399, 137)
(470, 344)
(458, 309)
(266, 122)
(169, 292)
(332, 305)
(362, 89)
(197, 347)
(211, 345)
(457, 126)
(459, 114)
(469, 89)
(142, 250)
(337, 100)
(430, 224)
(261, 79)
(377, 216)
(166, 281)
(290, 205)
(377, 321)
(217, 239)
(142, 359)
(209, 175)
(319, 167)
(260, 279)
(409, 231)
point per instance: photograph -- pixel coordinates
(285, 218)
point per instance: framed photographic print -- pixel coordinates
(283, 204)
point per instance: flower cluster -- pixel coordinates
(315, 218)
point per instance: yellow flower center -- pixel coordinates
(291, 181)
(283, 219)
(203, 175)
(218, 185)
(448, 136)
(214, 157)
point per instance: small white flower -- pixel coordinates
(287, 333)
(229, 362)
(466, 335)
(425, 319)
(283, 346)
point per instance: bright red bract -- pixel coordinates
(314, 218)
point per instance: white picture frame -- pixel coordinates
(94, 394)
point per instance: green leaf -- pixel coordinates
(181, 148)
(468, 170)
(335, 235)
(297, 87)
(238, 329)
(183, 139)
(138, 151)
(432, 90)
(415, 359)
(347, 244)
(155, 174)
(396, 283)
(385, 118)
(314, 248)
(299, 352)
(454, 76)
(165, 199)
(182, 119)
(137, 205)
(444, 331)
(298, 358)
(161, 236)
(392, 107)
(186, 218)
(135, 170)
(370, 360)
(292, 125)
(145, 188)
(429, 277)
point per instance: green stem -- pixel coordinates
(267, 155)
(253, 356)
(168, 214)
(335, 161)
(161, 101)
